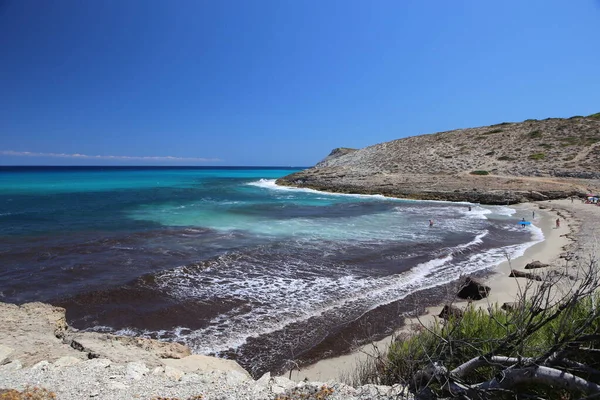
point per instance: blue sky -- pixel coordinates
(278, 82)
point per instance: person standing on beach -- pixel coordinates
(557, 223)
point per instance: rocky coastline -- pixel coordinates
(38, 349)
(506, 163)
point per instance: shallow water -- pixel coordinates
(224, 260)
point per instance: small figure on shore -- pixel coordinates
(469, 208)
(557, 223)
(533, 215)
(523, 220)
(430, 223)
(571, 199)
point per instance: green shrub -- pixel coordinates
(595, 116)
(493, 131)
(506, 158)
(535, 134)
(537, 156)
(546, 145)
(480, 172)
(524, 332)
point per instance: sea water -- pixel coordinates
(226, 261)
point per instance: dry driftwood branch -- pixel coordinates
(540, 375)
(477, 362)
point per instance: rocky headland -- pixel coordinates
(505, 163)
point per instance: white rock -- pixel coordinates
(284, 382)
(196, 362)
(173, 373)
(12, 366)
(277, 389)
(193, 378)
(5, 352)
(158, 371)
(264, 380)
(236, 377)
(136, 370)
(98, 363)
(117, 386)
(66, 361)
(42, 366)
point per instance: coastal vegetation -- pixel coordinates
(480, 172)
(546, 345)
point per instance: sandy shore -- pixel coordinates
(577, 234)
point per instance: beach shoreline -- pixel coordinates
(576, 222)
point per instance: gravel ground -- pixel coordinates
(99, 378)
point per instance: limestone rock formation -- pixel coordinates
(498, 164)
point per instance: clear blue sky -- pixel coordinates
(278, 82)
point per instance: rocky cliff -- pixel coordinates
(498, 164)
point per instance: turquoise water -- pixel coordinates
(228, 262)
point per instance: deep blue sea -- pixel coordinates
(227, 262)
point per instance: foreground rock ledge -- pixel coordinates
(38, 348)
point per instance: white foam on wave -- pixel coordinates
(270, 184)
(274, 294)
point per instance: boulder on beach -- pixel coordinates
(520, 274)
(450, 311)
(536, 264)
(473, 290)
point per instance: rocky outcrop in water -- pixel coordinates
(500, 164)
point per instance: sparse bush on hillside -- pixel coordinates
(480, 172)
(493, 131)
(506, 158)
(537, 156)
(595, 116)
(545, 145)
(535, 134)
(545, 345)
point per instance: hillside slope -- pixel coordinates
(534, 159)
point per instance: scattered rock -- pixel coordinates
(158, 371)
(117, 386)
(509, 305)
(536, 264)
(473, 290)
(264, 380)
(173, 373)
(42, 366)
(198, 362)
(12, 366)
(5, 353)
(520, 274)
(136, 370)
(450, 311)
(66, 361)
